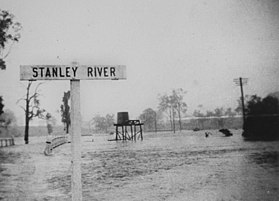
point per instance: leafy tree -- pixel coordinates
(109, 121)
(7, 118)
(9, 34)
(259, 106)
(32, 108)
(274, 94)
(262, 118)
(99, 123)
(65, 111)
(149, 118)
(102, 124)
(270, 105)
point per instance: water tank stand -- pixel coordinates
(129, 130)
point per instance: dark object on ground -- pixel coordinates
(207, 134)
(225, 131)
(196, 129)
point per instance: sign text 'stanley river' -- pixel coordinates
(64, 72)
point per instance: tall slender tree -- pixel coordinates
(2, 120)
(179, 105)
(1, 105)
(65, 111)
(165, 105)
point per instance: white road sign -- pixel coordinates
(72, 72)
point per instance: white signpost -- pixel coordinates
(74, 73)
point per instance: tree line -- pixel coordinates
(170, 115)
(173, 107)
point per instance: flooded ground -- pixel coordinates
(164, 166)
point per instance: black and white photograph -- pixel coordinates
(139, 100)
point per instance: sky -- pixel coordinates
(200, 46)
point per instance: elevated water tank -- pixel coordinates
(122, 117)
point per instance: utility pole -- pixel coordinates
(240, 82)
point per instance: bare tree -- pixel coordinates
(173, 104)
(165, 105)
(179, 105)
(32, 108)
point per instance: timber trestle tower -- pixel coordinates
(126, 129)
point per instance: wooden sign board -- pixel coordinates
(72, 72)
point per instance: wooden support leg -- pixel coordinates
(116, 133)
(125, 131)
(135, 132)
(141, 133)
(123, 134)
(132, 134)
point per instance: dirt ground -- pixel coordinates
(24, 171)
(182, 166)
